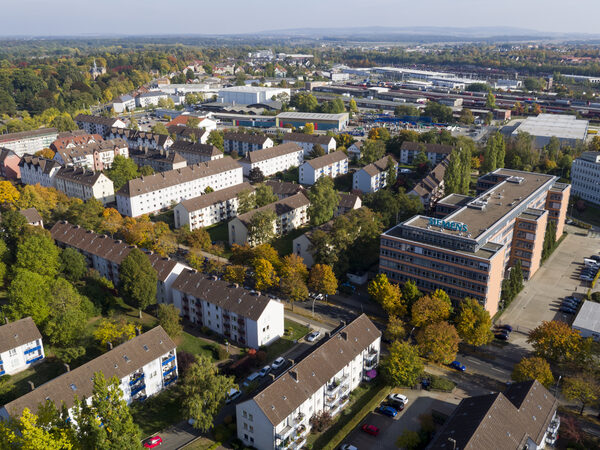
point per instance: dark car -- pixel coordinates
(502, 337)
(505, 327)
(388, 411)
(458, 366)
(567, 310)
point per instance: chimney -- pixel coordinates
(344, 335)
(31, 385)
(67, 367)
(294, 375)
(137, 331)
(110, 346)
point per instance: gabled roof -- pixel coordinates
(326, 160)
(194, 204)
(433, 179)
(426, 148)
(79, 151)
(99, 120)
(65, 139)
(17, 333)
(45, 164)
(31, 215)
(246, 137)
(284, 395)
(348, 200)
(312, 138)
(182, 120)
(284, 188)
(378, 166)
(79, 175)
(186, 132)
(9, 137)
(121, 361)
(279, 207)
(145, 154)
(195, 148)
(5, 153)
(130, 134)
(269, 153)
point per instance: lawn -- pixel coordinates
(166, 217)
(590, 215)
(158, 412)
(194, 345)
(293, 332)
(18, 384)
(283, 244)
(202, 443)
(219, 232)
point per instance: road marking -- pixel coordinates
(496, 369)
(473, 361)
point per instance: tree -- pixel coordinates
(246, 201)
(352, 107)
(216, 138)
(533, 84)
(323, 201)
(533, 368)
(320, 421)
(466, 116)
(256, 175)
(261, 228)
(316, 151)
(322, 279)
(37, 253)
(410, 293)
(403, 366)
(395, 330)
(430, 309)
(379, 134)
(294, 275)
(409, 440)
(170, 319)
(122, 170)
(438, 112)
(264, 195)
(490, 101)
(555, 341)
(204, 391)
(265, 275)
(28, 295)
(138, 280)
(438, 342)
(583, 388)
(309, 128)
(67, 319)
(146, 171)
(388, 295)
(159, 128)
(30, 432)
(198, 239)
(9, 195)
(106, 422)
(111, 221)
(73, 264)
(549, 240)
(478, 87)
(391, 175)
(235, 274)
(474, 323)
(371, 151)
(458, 173)
(406, 110)
(114, 332)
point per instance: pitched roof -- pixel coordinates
(162, 180)
(326, 160)
(5, 153)
(130, 134)
(79, 175)
(196, 203)
(279, 207)
(120, 362)
(65, 139)
(269, 153)
(433, 179)
(284, 395)
(284, 188)
(31, 215)
(221, 293)
(378, 166)
(182, 120)
(9, 137)
(17, 333)
(182, 146)
(427, 148)
(246, 137)
(45, 164)
(347, 200)
(157, 155)
(499, 420)
(81, 150)
(312, 138)
(186, 132)
(99, 120)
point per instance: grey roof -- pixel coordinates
(5, 153)
(186, 132)
(559, 125)
(17, 333)
(284, 188)
(312, 138)
(183, 147)
(312, 116)
(433, 179)
(38, 161)
(9, 137)
(121, 361)
(31, 215)
(99, 120)
(347, 200)
(325, 160)
(221, 293)
(378, 166)
(133, 135)
(284, 395)
(588, 317)
(246, 137)
(68, 153)
(279, 207)
(269, 153)
(162, 180)
(146, 154)
(427, 148)
(196, 203)
(79, 175)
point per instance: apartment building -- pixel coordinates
(28, 142)
(374, 176)
(9, 164)
(159, 160)
(141, 140)
(469, 251)
(585, 176)
(199, 135)
(284, 189)
(152, 193)
(431, 188)
(106, 255)
(20, 346)
(248, 318)
(278, 416)
(332, 165)
(435, 153)
(210, 208)
(274, 159)
(347, 203)
(144, 366)
(205, 123)
(38, 170)
(152, 98)
(97, 124)
(195, 153)
(85, 184)
(243, 143)
(308, 141)
(93, 155)
(291, 212)
(73, 138)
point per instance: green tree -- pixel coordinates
(67, 319)
(38, 253)
(391, 173)
(261, 228)
(73, 264)
(170, 320)
(474, 323)
(478, 87)
(395, 330)
(29, 432)
(410, 293)
(583, 388)
(406, 110)
(256, 175)
(216, 138)
(458, 172)
(323, 201)
(533, 84)
(265, 275)
(556, 341)
(146, 171)
(430, 309)
(316, 151)
(403, 366)
(490, 101)
(28, 295)
(409, 440)
(438, 112)
(549, 240)
(13, 225)
(235, 274)
(466, 116)
(322, 279)
(371, 151)
(138, 280)
(159, 128)
(264, 195)
(438, 342)
(533, 368)
(246, 201)
(388, 295)
(309, 128)
(352, 107)
(203, 392)
(122, 170)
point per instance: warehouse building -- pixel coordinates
(568, 129)
(321, 121)
(587, 321)
(249, 95)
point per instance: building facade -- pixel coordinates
(159, 160)
(138, 140)
(248, 95)
(320, 121)
(9, 164)
(431, 188)
(28, 142)
(332, 165)
(97, 124)
(243, 143)
(272, 160)
(374, 177)
(94, 155)
(85, 184)
(38, 170)
(308, 141)
(585, 176)
(435, 153)
(195, 153)
(20, 346)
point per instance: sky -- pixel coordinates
(153, 17)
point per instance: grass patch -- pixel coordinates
(293, 332)
(439, 383)
(167, 217)
(290, 175)
(219, 232)
(194, 345)
(202, 443)
(590, 215)
(158, 412)
(343, 182)
(283, 244)
(16, 385)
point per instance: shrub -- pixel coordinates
(320, 421)
(221, 432)
(228, 419)
(441, 383)
(596, 297)
(219, 353)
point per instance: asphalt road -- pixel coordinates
(177, 436)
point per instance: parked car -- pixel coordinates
(388, 411)
(251, 378)
(573, 299)
(264, 371)
(233, 394)
(570, 304)
(398, 398)
(348, 447)
(458, 366)
(370, 429)
(567, 310)
(502, 337)
(153, 442)
(278, 363)
(505, 327)
(313, 336)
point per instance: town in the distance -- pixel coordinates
(299, 243)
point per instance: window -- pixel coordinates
(12, 352)
(250, 417)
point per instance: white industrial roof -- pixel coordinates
(251, 89)
(559, 125)
(588, 317)
(312, 116)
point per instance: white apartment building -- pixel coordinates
(150, 194)
(195, 153)
(272, 160)
(106, 255)
(85, 184)
(585, 177)
(249, 95)
(210, 208)
(435, 153)
(98, 124)
(278, 416)
(141, 139)
(159, 160)
(152, 98)
(291, 212)
(144, 366)
(38, 170)
(243, 143)
(308, 141)
(123, 103)
(20, 346)
(28, 141)
(94, 155)
(332, 165)
(250, 319)
(373, 177)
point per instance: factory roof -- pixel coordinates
(559, 125)
(312, 116)
(588, 317)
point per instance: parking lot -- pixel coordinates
(558, 278)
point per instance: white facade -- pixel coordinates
(26, 349)
(101, 187)
(585, 177)
(40, 171)
(242, 146)
(312, 170)
(273, 165)
(28, 141)
(302, 247)
(372, 177)
(152, 98)
(98, 125)
(248, 95)
(587, 321)
(124, 103)
(308, 146)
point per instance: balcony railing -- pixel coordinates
(334, 387)
(169, 371)
(170, 380)
(30, 361)
(285, 433)
(370, 363)
(136, 379)
(168, 360)
(138, 389)
(298, 443)
(31, 350)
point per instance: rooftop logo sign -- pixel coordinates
(448, 225)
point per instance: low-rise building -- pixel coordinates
(9, 164)
(28, 142)
(243, 143)
(431, 188)
(248, 95)
(355, 150)
(247, 318)
(152, 98)
(587, 321)
(152, 193)
(332, 165)
(94, 155)
(123, 103)
(284, 189)
(32, 216)
(20, 346)
(435, 153)
(210, 208)
(205, 123)
(139, 140)
(274, 159)
(195, 153)
(308, 141)
(85, 184)
(159, 160)
(97, 124)
(73, 138)
(374, 176)
(347, 203)
(568, 129)
(303, 247)
(291, 213)
(585, 176)
(38, 170)
(144, 366)
(320, 121)
(278, 416)
(190, 134)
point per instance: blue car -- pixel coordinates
(458, 366)
(387, 411)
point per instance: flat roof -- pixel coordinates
(455, 200)
(559, 125)
(588, 317)
(251, 89)
(313, 116)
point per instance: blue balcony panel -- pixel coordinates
(132, 382)
(167, 361)
(169, 371)
(138, 389)
(31, 350)
(170, 381)
(34, 359)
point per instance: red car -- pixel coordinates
(154, 441)
(370, 429)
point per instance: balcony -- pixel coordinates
(137, 390)
(30, 361)
(31, 350)
(334, 386)
(169, 370)
(370, 363)
(285, 433)
(136, 379)
(168, 359)
(298, 443)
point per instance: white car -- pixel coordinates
(313, 336)
(348, 447)
(233, 394)
(264, 371)
(278, 363)
(398, 398)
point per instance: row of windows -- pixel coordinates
(435, 254)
